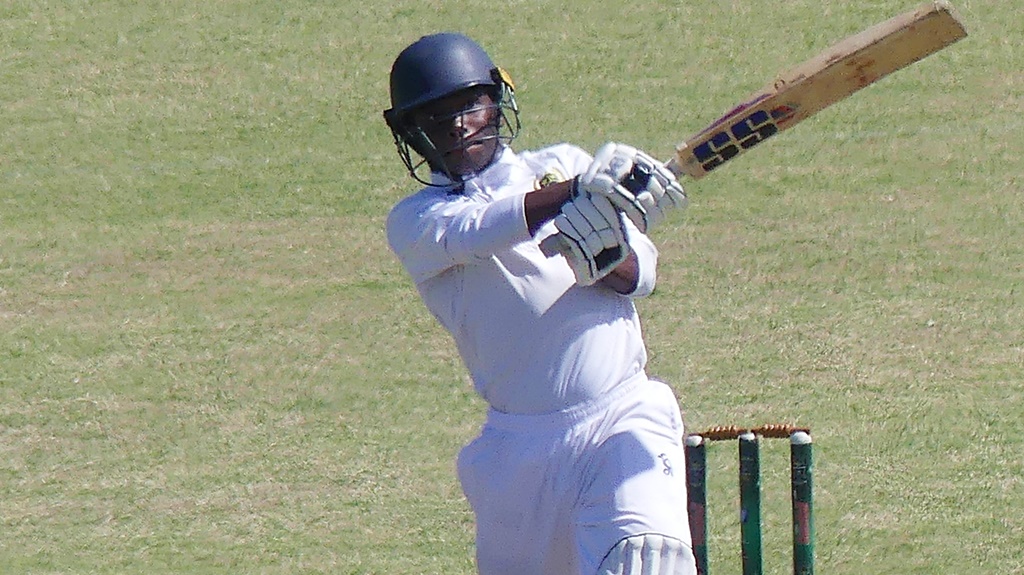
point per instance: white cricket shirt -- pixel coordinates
(533, 341)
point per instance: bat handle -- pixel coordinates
(673, 166)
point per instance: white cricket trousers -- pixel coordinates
(553, 493)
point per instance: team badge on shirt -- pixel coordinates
(552, 176)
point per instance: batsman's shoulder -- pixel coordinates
(417, 209)
(416, 203)
(403, 208)
(406, 213)
(569, 158)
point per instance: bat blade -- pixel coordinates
(833, 75)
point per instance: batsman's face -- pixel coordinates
(463, 128)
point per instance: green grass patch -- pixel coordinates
(212, 364)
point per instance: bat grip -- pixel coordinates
(673, 166)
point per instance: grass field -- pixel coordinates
(210, 362)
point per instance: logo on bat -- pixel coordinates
(735, 136)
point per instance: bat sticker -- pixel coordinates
(747, 132)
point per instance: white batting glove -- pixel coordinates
(591, 236)
(640, 186)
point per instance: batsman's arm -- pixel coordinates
(625, 277)
(541, 206)
(636, 276)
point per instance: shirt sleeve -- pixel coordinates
(647, 260)
(432, 232)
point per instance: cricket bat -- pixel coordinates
(829, 77)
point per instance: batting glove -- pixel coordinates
(637, 184)
(591, 236)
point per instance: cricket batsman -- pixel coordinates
(532, 261)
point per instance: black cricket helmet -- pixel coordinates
(432, 68)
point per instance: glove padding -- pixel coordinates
(637, 184)
(591, 236)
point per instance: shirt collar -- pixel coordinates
(493, 176)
